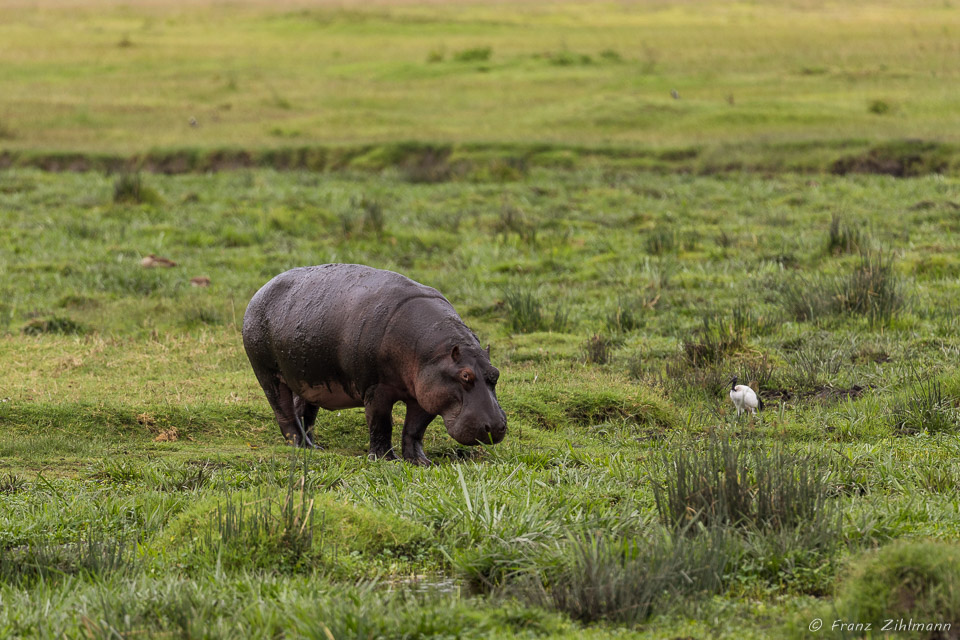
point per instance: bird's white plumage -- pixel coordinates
(744, 398)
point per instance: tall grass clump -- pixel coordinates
(11, 483)
(774, 506)
(814, 363)
(715, 338)
(474, 54)
(363, 215)
(923, 407)
(711, 380)
(599, 348)
(95, 553)
(739, 484)
(720, 335)
(527, 313)
(845, 237)
(628, 315)
(661, 241)
(872, 290)
(257, 529)
(513, 219)
(53, 324)
(624, 579)
(129, 188)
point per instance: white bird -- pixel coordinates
(744, 398)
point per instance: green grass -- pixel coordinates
(624, 253)
(785, 80)
(145, 488)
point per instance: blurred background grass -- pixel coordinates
(101, 76)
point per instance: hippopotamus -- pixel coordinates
(346, 335)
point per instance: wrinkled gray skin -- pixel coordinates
(344, 335)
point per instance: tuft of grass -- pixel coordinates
(198, 315)
(474, 54)
(282, 530)
(95, 554)
(756, 372)
(661, 241)
(628, 316)
(742, 485)
(524, 310)
(427, 167)
(129, 188)
(527, 313)
(362, 215)
(160, 477)
(716, 338)
(679, 374)
(879, 107)
(11, 483)
(292, 528)
(512, 219)
(725, 240)
(569, 58)
(374, 218)
(599, 348)
(924, 407)
(872, 290)
(815, 362)
(53, 324)
(611, 55)
(623, 580)
(845, 237)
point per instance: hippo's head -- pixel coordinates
(460, 385)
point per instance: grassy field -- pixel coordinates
(102, 76)
(145, 489)
(625, 252)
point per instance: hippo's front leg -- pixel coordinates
(414, 426)
(378, 406)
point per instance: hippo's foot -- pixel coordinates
(388, 454)
(420, 460)
(413, 453)
(303, 444)
(308, 444)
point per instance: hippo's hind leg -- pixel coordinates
(414, 426)
(378, 405)
(280, 398)
(307, 412)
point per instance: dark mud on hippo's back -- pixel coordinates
(337, 336)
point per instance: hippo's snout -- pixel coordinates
(494, 433)
(489, 434)
(473, 432)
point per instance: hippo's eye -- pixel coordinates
(467, 376)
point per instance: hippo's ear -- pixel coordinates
(455, 353)
(488, 350)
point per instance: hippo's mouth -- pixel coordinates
(473, 432)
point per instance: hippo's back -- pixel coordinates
(324, 324)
